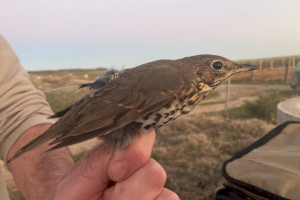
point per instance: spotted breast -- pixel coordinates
(182, 104)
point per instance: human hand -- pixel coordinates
(129, 175)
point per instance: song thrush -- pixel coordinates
(142, 99)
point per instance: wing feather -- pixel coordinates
(137, 92)
(106, 105)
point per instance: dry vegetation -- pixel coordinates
(193, 148)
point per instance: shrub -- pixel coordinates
(265, 107)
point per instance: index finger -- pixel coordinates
(125, 163)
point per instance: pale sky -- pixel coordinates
(61, 34)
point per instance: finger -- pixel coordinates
(86, 156)
(132, 158)
(145, 184)
(167, 195)
(92, 173)
(99, 147)
(89, 177)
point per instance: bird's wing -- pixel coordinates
(139, 91)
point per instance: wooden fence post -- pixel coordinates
(282, 62)
(271, 64)
(260, 64)
(286, 73)
(252, 75)
(294, 62)
(227, 95)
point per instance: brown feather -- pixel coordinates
(110, 112)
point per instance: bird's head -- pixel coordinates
(213, 70)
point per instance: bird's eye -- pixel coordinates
(217, 65)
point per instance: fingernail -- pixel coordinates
(119, 170)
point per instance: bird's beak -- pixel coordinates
(244, 68)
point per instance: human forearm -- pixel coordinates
(37, 173)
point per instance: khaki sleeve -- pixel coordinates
(18, 99)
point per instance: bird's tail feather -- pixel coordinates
(31, 145)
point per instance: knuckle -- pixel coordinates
(168, 195)
(173, 196)
(140, 155)
(89, 166)
(157, 174)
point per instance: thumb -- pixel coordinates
(88, 179)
